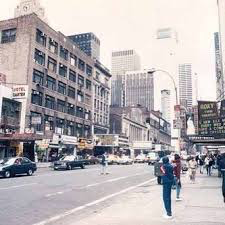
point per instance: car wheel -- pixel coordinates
(7, 174)
(69, 167)
(30, 172)
(82, 166)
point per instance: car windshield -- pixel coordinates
(10, 161)
(67, 158)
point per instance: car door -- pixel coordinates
(17, 166)
(25, 165)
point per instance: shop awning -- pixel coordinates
(21, 137)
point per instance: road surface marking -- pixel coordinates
(72, 211)
(18, 186)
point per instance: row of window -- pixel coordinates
(100, 119)
(61, 126)
(50, 82)
(101, 92)
(101, 106)
(53, 46)
(59, 105)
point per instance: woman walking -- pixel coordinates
(192, 166)
(177, 171)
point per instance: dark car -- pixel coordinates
(69, 162)
(92, 160)
(18, 165)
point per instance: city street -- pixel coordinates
(48, 196)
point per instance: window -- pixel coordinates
(38, 77)
(80, 80)
(80, 112)
(51, 83)
(36, 116)
(97, 75)
(60, 125)
(8, 36)
(62, 88)
(39, 57)
(53, 46)
(52, 64)
(101, 106)
(95, 104)
(81, 65)
(89, 70)
(88, 85)
(61, 105)
(41, 37)
(36, 97)
(62, 70)
(64, 53)
(71, 92)
(49, 122)
(87, 99)
(70, 128)
(73, 60)
(71, 109)
(87, 115)
(72, 76)
(80, 96)
(49, 102)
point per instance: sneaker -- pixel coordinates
(167, 217)
(179, 199)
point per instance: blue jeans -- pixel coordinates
(178, 187)
(167, 197)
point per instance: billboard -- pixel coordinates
(207, 110)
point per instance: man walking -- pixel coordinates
(177, 171)
(104, 163)
(222, 168)
(192, 166)
(167, 181)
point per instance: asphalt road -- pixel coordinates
(52, 197)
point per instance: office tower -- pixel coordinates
(30, 6)
(139, 89)
(122, 62)
(89, 43)
(165, 104)
(219, 68)
(185, 85)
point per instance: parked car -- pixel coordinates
(69, 162)
(93, 160)
(113, 159)
(125, 160)
(17, 165)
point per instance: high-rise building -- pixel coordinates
(185, 84)
(89, 43)
(139, 89)
(165, 104)
(219, 68)
(30, 6)
(122, 62)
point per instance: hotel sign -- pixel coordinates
(20, 91)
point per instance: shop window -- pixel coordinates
(8, 36)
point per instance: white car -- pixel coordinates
(140, 159)
(125, 160)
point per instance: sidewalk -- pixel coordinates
(202, 205)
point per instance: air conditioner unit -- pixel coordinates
(61, 65)
(36, 93)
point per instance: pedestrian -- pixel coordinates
(192, 166)
(222, 167)
(201, 164)
(104, 164)
(218, 158)
(167, 181)
(177, 171)
(208, 169)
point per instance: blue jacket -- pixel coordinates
(167, 170)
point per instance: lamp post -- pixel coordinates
(152, 71)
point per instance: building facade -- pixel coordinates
(165, 104)
(122, 62)
(101, 96)
(88, 43)
(58, 76)
(139, 89)
(185, 84)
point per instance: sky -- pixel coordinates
(132, 24)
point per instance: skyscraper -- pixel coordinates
(122, 62)
(165, 104)
(89, 43)
(139, 89)
(220, 51)
(185, 85)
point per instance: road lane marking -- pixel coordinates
(72, 211)
(18, 186)
(94, 184)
